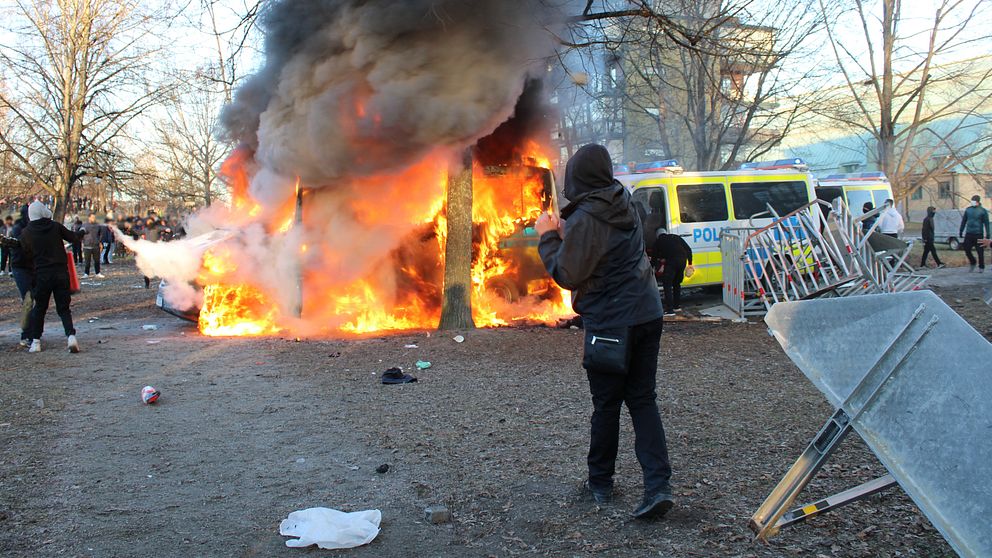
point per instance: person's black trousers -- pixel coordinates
(928, 248)
(77, 252)
(671, 282)
(91, 255)
(971, 241)
(637, 390)
(49, 282)
(4, 258)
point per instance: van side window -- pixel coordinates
(702, 202)
(751, 198)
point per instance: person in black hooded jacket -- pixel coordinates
(598, 254)
(928, 238)
(42, 241)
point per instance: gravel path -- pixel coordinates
(248, 430)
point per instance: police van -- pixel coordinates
(855, 189)
(699, 205)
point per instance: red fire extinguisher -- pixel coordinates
(74, 286)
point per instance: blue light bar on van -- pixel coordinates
(620, 170)
(671, 165)
(793, 163)
(866, 176)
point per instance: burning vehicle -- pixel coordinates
(510, 283)
(346, 137)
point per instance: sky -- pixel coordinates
(189, 43)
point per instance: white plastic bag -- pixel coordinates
(330, 529)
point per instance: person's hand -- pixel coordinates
(986, 242)
(547, 223)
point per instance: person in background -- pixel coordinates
(975, 224)
(890, 221)
(92, 234)
(927, 234)
(6, 227)
(598, 254)
(671, 254)
(152, 231)
(152, 234)
(870, 221)
(107, 240)
(42, 242)
(22, 268)
(77, 245)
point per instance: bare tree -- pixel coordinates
(188, 147)
(921, 113)
(80, 74)
(456, 304)
(699, 80)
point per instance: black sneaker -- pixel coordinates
(941, 266)
(656, 505)
(601, 496)
(669, 313)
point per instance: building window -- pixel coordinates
(702, 202)
(917, 193)
(944, 190)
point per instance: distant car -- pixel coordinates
(191, 314)
(946, 225)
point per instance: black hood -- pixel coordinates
(24, 214)
(589, 184)
(931, 211)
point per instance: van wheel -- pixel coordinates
(953, 243)
(503, 287)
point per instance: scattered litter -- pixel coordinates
(154, 341)
(93, 319)
(149, 395)
(149, 327)
(330, 529)
(40, 403)
(459, 338)
(353, 467)
(335, 354)
(396, 376)
(382, 469)
(423, 365)
(437, 514)
(410, 346)
(300, 460)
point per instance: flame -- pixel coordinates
(352, 285)
(236, 310)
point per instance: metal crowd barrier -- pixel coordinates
(803, 255)
(911, 378)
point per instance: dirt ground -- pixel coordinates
(249, 430)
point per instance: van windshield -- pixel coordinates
(753, 198)
(856, 200)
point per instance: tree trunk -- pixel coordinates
(456, 306)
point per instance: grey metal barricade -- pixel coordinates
(913, 379)
(803, 255)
